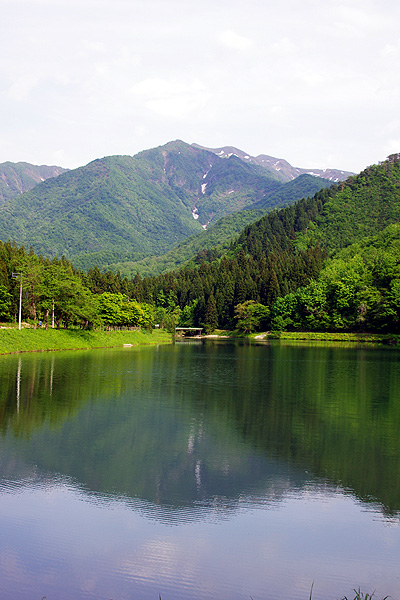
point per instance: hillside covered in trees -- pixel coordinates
(120, 209)
(288, 266)
(330, 263)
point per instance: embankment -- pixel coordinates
(311, 336)
(31, 340)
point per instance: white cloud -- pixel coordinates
(171, 98)
(266, 77)
(391, 50)
(234, 40)
(284, 47)
(21, 87)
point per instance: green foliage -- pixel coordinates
(211, 315)
(303, 186)
(54, 290)
(187, 316)
(117, 205)
(280, 262)
(215, 241)
(5, 302)
(206, 245)
(361, 206)
(115, 309)
(251, 316)
(284, 315)
(233, 185)
(359, 290)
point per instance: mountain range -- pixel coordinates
(17, 178)
(120, 209)
(278, 166)
(328, 262)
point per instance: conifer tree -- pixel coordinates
(211, 316)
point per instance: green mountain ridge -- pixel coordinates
(122, 208)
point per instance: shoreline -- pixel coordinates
(311, 336)
(13, 341)
(346, 337)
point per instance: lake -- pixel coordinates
(216, 470)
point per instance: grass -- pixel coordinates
(324, 336)
(311, 336)
(31, 340)
(361, 596)
(371, 338)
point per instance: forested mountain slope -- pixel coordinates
(123, 208)
(109, 207)
(213, 242)
(335, 217)
(17, 178)
(358, 290)
(287, 249)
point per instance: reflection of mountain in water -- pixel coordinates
(203, 426)
(268, 487)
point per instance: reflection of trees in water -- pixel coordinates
(26, 394)
(178, 426)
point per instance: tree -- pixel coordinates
(75, 304)
(211, 316)
(111, 308)
(251, 316)
(5, 303)
(284, 313)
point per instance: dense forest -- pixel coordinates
(329, 263)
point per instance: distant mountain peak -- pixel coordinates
(281, 167)
(20, 177)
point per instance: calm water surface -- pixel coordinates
(200, 471)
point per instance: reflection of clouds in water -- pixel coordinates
(275, 542)
(159, 558)
(10, 564)
(221, 547)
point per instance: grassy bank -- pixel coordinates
(364, 338)
(30, 340)
(312, 336)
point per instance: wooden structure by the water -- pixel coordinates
(186, 332)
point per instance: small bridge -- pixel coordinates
(188, 331)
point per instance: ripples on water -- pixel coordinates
(200, 472)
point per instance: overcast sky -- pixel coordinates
(316, 82)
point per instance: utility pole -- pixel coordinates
(15, 276)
